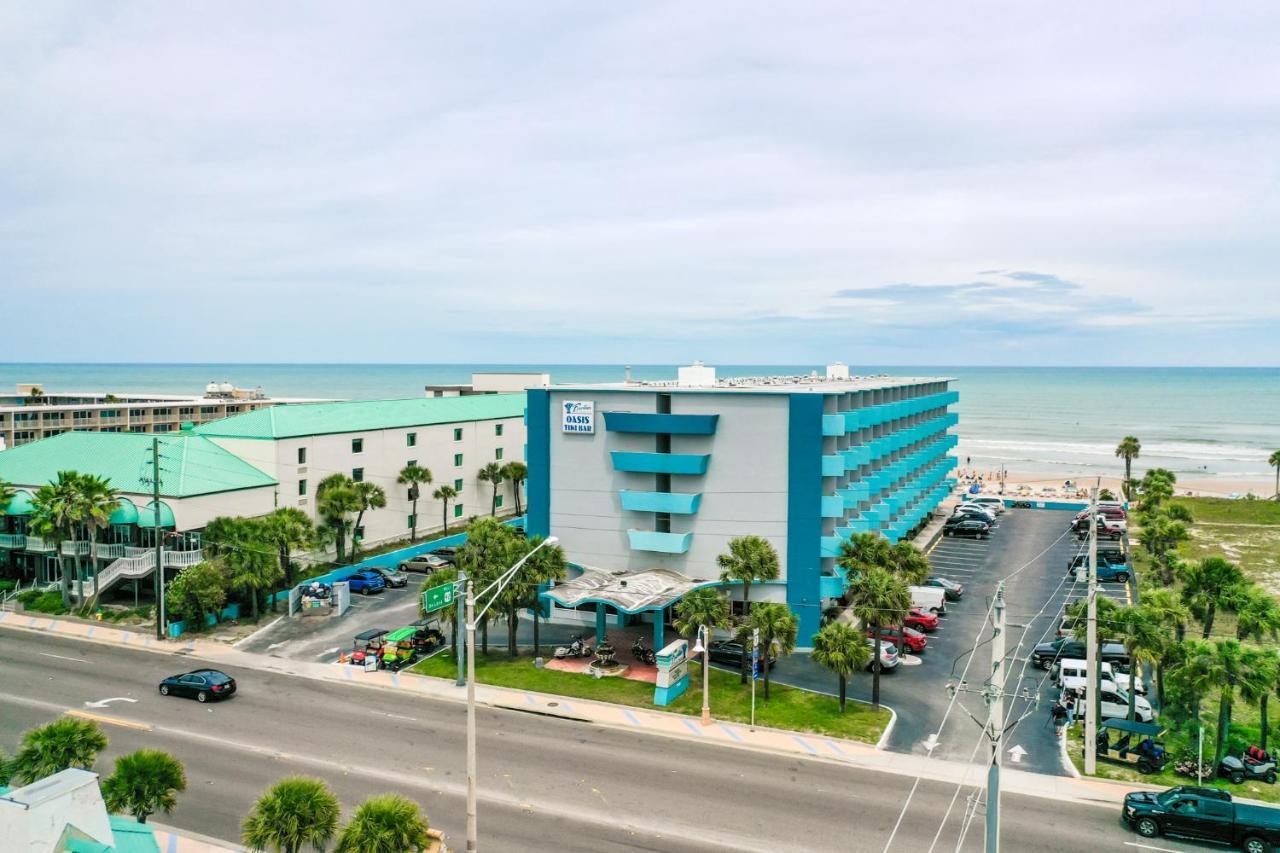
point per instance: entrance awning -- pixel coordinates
(627, 592)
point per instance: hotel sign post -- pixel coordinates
(673, 673)
(578, 416)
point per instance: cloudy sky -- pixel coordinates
(576, 182)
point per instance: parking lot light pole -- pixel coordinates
(493, 590)
(704, 640)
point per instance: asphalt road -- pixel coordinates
(545, 784)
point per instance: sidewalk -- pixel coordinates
(733, 735)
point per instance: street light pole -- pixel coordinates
(1092, 700)
(705, 637)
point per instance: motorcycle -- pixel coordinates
(1252, 767)
(576, 649)
(643, 653)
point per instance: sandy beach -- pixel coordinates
(1080, 481)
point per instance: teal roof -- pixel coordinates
(147, 515)
(128, 836)
(303, 419)
(189, 464)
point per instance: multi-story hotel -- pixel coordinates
(32, 413)
(647, 482)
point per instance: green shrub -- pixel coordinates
(8, 585)
(46, 602)
(28, 596)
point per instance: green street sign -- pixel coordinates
(438, 597)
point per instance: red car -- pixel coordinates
(911, 638)
(921, 621)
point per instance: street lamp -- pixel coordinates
(702, 646)
(472, 617)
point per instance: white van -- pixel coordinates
(1073, 673)
(930, 599)
(990, 502)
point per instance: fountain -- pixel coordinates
(606, 661)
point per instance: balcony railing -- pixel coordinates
(13, 541)
(665, 543)
(182, 559)
(37, 545)
(108, 551)
(76, 548)
(660, 463)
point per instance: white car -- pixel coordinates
(985, 513)
(1115, 705)
(930, 599)
(1073, 673)
(990, 502)
(888, 655)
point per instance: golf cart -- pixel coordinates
(368, 645)
(429, 634)
(1133, 743)
(399, 648)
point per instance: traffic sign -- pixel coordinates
(438, 597)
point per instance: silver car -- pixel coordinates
(425, 563)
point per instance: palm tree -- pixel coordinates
(388, 823)
(487, 553)
(58, 510)
(841, 649)
(1157, 486)
(143, 783)
(908, 562)
(863, 551)
(1257, 614)
(1159, 536)
(35, 396)
(517, 472)
(492, 473)
(878, 599)
(100, 500)
(1128, 450)
(704, 607)
(1208, 585)
(287, 529)
(1224, 668)
(336, 499)
(370, 496)
(547, 565)
(1274, 461)
(445, 493)
(1139, 629)
(750, 559)
(62, 744)
(1166, 606)
(295, 812)
(413, 476)
(1262, 670)
(778, 627)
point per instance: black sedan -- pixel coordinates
(960, 525)
(729, 653)
(202, 685)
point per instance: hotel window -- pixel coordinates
(497, 429)
(165, 412)
(457, 433)
(208, 410)
(83, 416)
(137, 429)
(162, 427)
(457, 510)
(411, 439)
(186, 412)
(302, 487)
(357, 474)
(457, 486)
(136, 413)
(457, 460)
(357, 445)
(497, 454)
(498, 502)
(302, 456)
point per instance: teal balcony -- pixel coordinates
(674, 503)
(663, 543)
(660, 463)
(829, 547)
(832, 466)
(653, 422)
(833, 425)
(832, 506)
(832, 586)
(854, 494)
(855, 457)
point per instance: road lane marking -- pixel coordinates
(1149, 847)
(63, 657)
(102, 703)
(113, 721)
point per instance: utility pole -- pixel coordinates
(471, 718)
(1091, 645)
(155, 503)
(460, 616)
(995, 703)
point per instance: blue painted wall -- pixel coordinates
(804, 514)
(538, 486)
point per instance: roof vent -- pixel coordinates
(839, 370)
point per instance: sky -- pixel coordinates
(926, 183)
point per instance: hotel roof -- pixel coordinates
(306, 419)
(799, 384)
(190, 465)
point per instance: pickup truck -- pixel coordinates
(1108, 528)
(1105, 558)
(1205, 814)
(1045, 655)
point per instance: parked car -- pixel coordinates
(910, 638)
(425, 563)
(729, 653)
(965, 525)
(1111, 510)
(1114, 704)
(977, 511)
(1108, 528)
(1045, 654)
(1205, 814)
(889, 659)
(1107, 573)
(448, 553)
(991, 502)
(202, 685)
(951, 590)
(931, 599)
(921, 620)
(1108, 558)
(391, 577)
(366, 582)
(1072, 673)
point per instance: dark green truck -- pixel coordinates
(1205, 814)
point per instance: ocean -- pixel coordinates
(1200, 422)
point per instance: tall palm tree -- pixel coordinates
(287, 529)
(100, 500)
(370, 496)
(750, 559)
(388, 823)
(1128, 450)
(1159, 536)
(879, 600)
(1224, 669)
(337, 499)
(1208, 585)
(1139, 629)
(547, 565)
(492, 473)
(1262, 671)
(62, 744)
(863, 551)
(704, 607)
(778, 627)
(908, 562)
(488, 552)
(841, 649)
(414, 476)
(1166, 606)
(35, 396)
(517, 472)
(295, 812)
(445, 494)
(1257, 614)
(143, 783)
(58, 510)
(1274, 461)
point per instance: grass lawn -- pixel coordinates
(787, 708)
(1222, 510)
